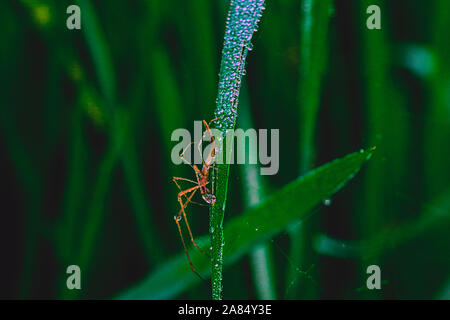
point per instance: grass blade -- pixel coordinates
(313, 54)
(253, 184)
(242, 21)
(315, 18)
(99, 51)
(437, 124)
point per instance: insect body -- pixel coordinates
(202, 180)
(202, 176)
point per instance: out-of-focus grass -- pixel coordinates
(314, 24)
(101, 56)
(437, 123)
(254, 191)
(121, 147)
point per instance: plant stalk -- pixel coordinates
(242, 22)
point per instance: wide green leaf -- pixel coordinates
(257, 224)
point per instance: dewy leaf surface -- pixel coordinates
(242, 22)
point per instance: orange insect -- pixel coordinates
(202, 179)
(202, 176)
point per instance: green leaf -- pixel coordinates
(255, 225)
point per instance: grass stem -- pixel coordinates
(242, 22)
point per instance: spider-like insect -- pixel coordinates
(202, 176)
(202, 180)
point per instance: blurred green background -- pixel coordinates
(86, 118)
